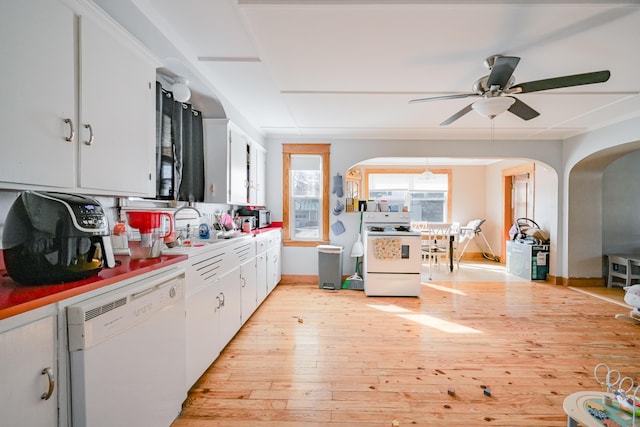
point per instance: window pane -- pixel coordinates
(306, 191)
(429, 206)
(435, 181)
(426, 196)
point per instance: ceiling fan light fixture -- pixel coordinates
(492, 107)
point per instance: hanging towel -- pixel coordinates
(387, 248)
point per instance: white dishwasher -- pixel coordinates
(127, 354)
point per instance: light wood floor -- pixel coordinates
(312, 357)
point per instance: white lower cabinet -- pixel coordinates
(261, 273)
(202, 339)
(214, 302)
(249, 289)
(226, 282)
(230, 307)
(28, 395)
(213, 318)
(224, 286)
(274, 262)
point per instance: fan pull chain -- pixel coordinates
(493, 139)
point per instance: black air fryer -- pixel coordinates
(55, 238)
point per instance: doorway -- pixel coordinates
(519, 197)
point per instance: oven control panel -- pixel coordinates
(387, 217)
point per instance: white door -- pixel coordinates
(118, 103)
(522, 196)
(202, 338)
(230, 319)
(261, 267)
(26, 352)
(258, 175)
(238, 178)
(249, 292)
(38, 93)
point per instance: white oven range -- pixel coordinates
(392, 255)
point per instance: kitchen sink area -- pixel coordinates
(196, 245)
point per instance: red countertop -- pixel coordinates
(273, 226)
(16, 299)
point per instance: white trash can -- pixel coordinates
(330, 267)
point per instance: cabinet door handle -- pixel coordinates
(72, 131)
(221, 299)
(52, 383)
(90, 141)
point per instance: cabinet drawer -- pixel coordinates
(274, 240)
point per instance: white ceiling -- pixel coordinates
(348, 68)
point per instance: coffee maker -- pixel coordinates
(55, 238)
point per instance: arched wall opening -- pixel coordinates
(602, 214)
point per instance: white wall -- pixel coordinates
(468, 187)
(621, 201)
(585, 157)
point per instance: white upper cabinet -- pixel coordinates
(117, 95)
(70, 74)
(238, 179)
(257, 175)
(234, 165)
(29, 395)
(38, 88)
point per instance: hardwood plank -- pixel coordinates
(312, 357)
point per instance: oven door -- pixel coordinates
(393, 253)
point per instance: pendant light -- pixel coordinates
(427, 174)
(180, 89)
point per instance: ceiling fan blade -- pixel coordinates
(502, 70)
(522, 110)
(439, 98)
(457, 115)
(560, 82)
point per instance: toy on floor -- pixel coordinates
(626, 402)
(631, 297)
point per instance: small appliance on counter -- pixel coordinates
(248, 223)
(262, 215)
(147, 231)
(55, 238)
